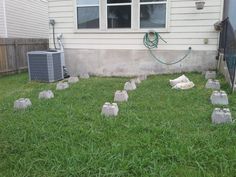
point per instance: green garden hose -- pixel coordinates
(151, 41)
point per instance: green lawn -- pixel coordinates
(159, 131)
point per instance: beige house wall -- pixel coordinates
(186, 27)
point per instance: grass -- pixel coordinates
(159, 131)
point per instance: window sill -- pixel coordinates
(116, 31)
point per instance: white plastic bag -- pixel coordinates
(184, 85)
(181, 79)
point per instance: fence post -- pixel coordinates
(16, 55)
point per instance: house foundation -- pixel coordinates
(117, 62)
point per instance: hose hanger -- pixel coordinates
(151, 40)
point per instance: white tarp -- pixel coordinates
(182, 83)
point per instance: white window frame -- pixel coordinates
(135, 15)
(120, 4)
(76, 17)
(167, 16)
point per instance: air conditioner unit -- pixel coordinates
(45, 66)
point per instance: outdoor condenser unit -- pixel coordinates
(45, 66)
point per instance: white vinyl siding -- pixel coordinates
(27, 18)
(2, 20)
(187, 27)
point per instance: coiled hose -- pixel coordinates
(151, 41)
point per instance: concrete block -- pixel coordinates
(130, 86)
(62, 86)
(22, 103)
(110, 109)
(210, 75)
(84, 76)
(121, 96)
(219, 98)
(136, 80)
(73, 80)
(213, 84)
(142, 77)
(47, 94)
(221, 116)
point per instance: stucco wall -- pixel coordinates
(121, 62)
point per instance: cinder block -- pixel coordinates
(142, 77)
(84, 76)
(130, 86)
(136, 80)
(22, 103)
(210, 75)
(219, 98)
(73, 80)
(62, 86)
(221, 116)
(121, 96)
(47, 94)
(213, 84)
(110, 110)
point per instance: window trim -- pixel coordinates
(147, 3)
(135, 26)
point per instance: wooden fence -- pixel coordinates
(13, 53)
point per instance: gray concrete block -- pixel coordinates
(221, 116)
(84, 76)
(62, 85)
(73, 80)
(121, 96)
(210, 75)
(130, 86)
(22, 103)
(142, 77)
(47, 94)
(213, 84)
(110, 109)
(219, 98)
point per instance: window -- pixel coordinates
(87, 14)
(152, 13)
(119, 13)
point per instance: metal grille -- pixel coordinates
(38, 67)
(57, 66)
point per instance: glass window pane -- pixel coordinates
(151, 0)
(88, 17)
(119, 16)
(87, 2)
(118, 1)
(153, 16)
